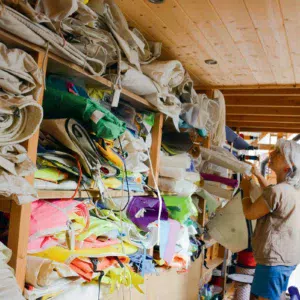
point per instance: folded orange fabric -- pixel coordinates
(85, 268)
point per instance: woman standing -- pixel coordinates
(276, 240)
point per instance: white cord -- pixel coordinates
(159, 197)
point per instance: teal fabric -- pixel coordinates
(58, 105)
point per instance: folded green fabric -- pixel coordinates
(180, 208)
(58, 105)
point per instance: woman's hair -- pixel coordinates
(291, 152)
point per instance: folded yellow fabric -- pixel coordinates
(61, 254)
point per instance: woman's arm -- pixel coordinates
(256, 210)
(261, 179)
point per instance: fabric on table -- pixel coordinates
(165, 73)
(19, 73)
(228, 181)
(9, 288)
(43, 227)
(15, 126)
(59, 105)
(271, 281)
(21, 26)
(42, 272)
(229, 227)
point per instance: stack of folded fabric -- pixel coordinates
(75, 247)
(177, 175)
(21, 116)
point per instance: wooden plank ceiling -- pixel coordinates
(256, 46)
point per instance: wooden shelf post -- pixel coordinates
(20, 214)
(155, 148)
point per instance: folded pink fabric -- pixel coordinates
(51, 217)
(227, 181)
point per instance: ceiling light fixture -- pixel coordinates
(211, 62)
(156, 1)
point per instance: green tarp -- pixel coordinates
(58, 105)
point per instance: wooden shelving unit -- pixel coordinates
(20, 215)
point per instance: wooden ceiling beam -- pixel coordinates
(261, 87)
(263, 111)
(266, 146)
(262, 92)
(264, 119)
(256, 129)
(258, 125)
(267, 101)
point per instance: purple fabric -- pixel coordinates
(211, 177)
(150, 206)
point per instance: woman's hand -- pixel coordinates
(246, 184)
(255, 171)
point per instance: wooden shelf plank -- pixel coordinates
(212, 264)
(60, 66)
(57, 64)
(57, 194)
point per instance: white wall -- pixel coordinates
(295, 278)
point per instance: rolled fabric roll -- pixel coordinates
(20, 74)
(19, 119)
(165, 73)
(225, 159)
(228, 181)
